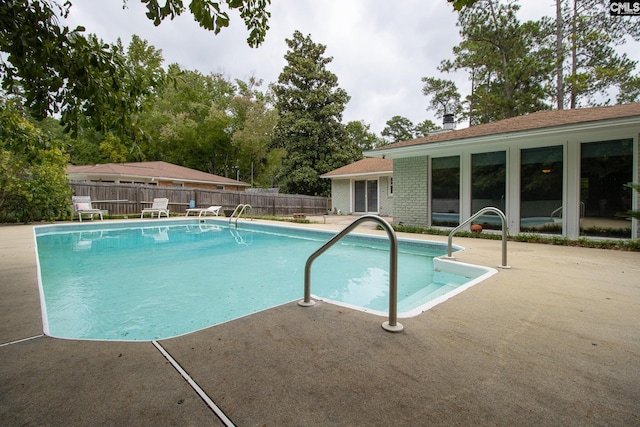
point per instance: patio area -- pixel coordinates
(555, 340)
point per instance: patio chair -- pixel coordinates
(214, 210)
(160, 206)
(82, 206)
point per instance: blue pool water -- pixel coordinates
(148, 280)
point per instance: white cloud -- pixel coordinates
(380, 49)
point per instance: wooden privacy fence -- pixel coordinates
(130, 199)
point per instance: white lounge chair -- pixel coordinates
(160, 206)
(82, 206)
(214, 210)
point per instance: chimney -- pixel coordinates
(448, 122)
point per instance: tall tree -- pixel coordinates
(397, 129)
(589, 64)
(360, 136)
(445, 98)
(510, 62)
(310, 105)
(254, 123)
(191, 122)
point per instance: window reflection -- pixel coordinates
(488, 185)
(606, 167)
(541, 190)
(445, 191)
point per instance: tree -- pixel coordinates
(359, 135)
(445, 98)
(588, 65)
(60, 71)
(33, 180)
(190, 123)
(398, 129)
(310, 105)
(510, 63)
(424, 128)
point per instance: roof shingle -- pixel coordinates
(362, 167)
(158, 170)
(528, 122)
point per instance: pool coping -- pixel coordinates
(554, 340)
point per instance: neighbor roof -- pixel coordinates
(528, 122)
(368, 166)
(157, 170)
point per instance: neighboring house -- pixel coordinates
(365, 186)
(560, 172)
(154, 173)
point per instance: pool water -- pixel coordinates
(145, 281)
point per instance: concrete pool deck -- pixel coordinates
(555, 340)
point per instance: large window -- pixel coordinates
(541, 190)
(488, 185)
(605, 169)
(445, 191)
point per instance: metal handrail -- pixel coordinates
(560, 209)
(241, 207)
(503, 219)
(392, 324)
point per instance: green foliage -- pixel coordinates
(398, 129)
(33, 181)
(211, 16)
(359, 135)
(59, 71)
(445, 98)
(460, 4)
(592, 64)
(189, 122)
(425, 128)
(510, 63)
(310, 106)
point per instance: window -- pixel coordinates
(445, 191)
(488, 185)
(605, 169)
(541, 178)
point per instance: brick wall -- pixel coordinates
(340, 195)
(410, 187)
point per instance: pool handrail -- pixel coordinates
(392, 324)
(503, 219)
(239, 210)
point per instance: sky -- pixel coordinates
(381, 49)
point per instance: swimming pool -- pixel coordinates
(142, 280)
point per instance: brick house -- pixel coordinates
(559, 172)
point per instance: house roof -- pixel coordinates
(155, 170)
(367, 166)
(534, 121)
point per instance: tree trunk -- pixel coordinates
(559, 56)
(574, 53)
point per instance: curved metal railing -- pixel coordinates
(239, 210)
(392, 324)
(503, 219)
